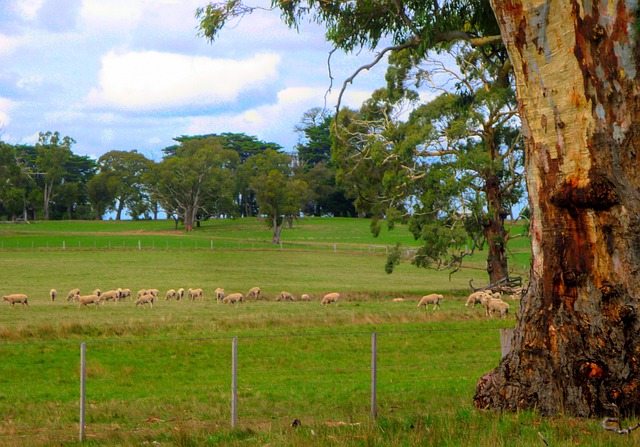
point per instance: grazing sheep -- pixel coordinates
(141, 292)
(305, 297)
(254, 293)
(219, 294)
(148, 298)
(398, 300)
(19, 298)
(53, 293)
(88, 299)
(495, 305)
(180, 294)
(108, 295)
(97, 292)
(433, 298)
(488, 301)
(285, 296)
(475, 298)
(233, 298)
(153, 292)
(330, 298)
(195, 293)
(73, 293)
(171, 294)
(126, 293)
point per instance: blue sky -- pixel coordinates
(133, 74)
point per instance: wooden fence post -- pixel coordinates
(83, 375)
(506, 336)
(234, 381)
(374, 373)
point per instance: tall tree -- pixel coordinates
(129, 168)
(575, 349)
(194, 179)
(53, 153)
(279, 193)
(318, 170)
(453, 170)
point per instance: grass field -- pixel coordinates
(162, 375)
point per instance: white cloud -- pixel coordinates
(28, 9)
(8, 43)
(126, 14)
(5, 106)
(154, 80)
(274, 122)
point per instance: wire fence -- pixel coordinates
(86, 389)
(147, 243)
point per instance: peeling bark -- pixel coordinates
(576, 349)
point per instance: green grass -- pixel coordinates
(163, 374)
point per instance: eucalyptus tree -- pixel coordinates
(194, 180)
(53, 153)
(128, 169)
(453, 169)
(279, 193)
(575, 64)
(317, 168)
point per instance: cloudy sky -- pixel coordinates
(133, 74)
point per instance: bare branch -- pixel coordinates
(451, 36)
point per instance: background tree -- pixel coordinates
(279, 193)
(316, 167)
(195, 178)
(246, 146)
(453, 170)
(102, 190)
(53, 152)
(128, 167)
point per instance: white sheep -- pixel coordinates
(88, 299)
(475, 298)
(254, 292)
(180, 293)
(108, 295)
(19, 298)
(433, 298)
(126, 293)
(148, 298)
(171, 294)
(97, 292)
(219, 294)
(53, 293)
(496, 305)
(141, 292)
(233, 298)
(489, 300)
(73, 293)
(305, 297)
(398, 300)
(330, 298)
(153, 292)
(195, 293)
(285, 296)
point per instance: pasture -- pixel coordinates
(162, 375)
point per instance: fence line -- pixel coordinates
(354, 368)
(189, 244)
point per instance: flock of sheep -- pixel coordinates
(149, 296)
(491, 301)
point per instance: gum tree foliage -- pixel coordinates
(453, 169)
(279, 193)
(317, 168)
(246, 146)
(122, 174)
(575, 347)
(195, 181)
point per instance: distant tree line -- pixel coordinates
(200, 177)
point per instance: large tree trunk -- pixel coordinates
(576, 347)
(494, 231)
